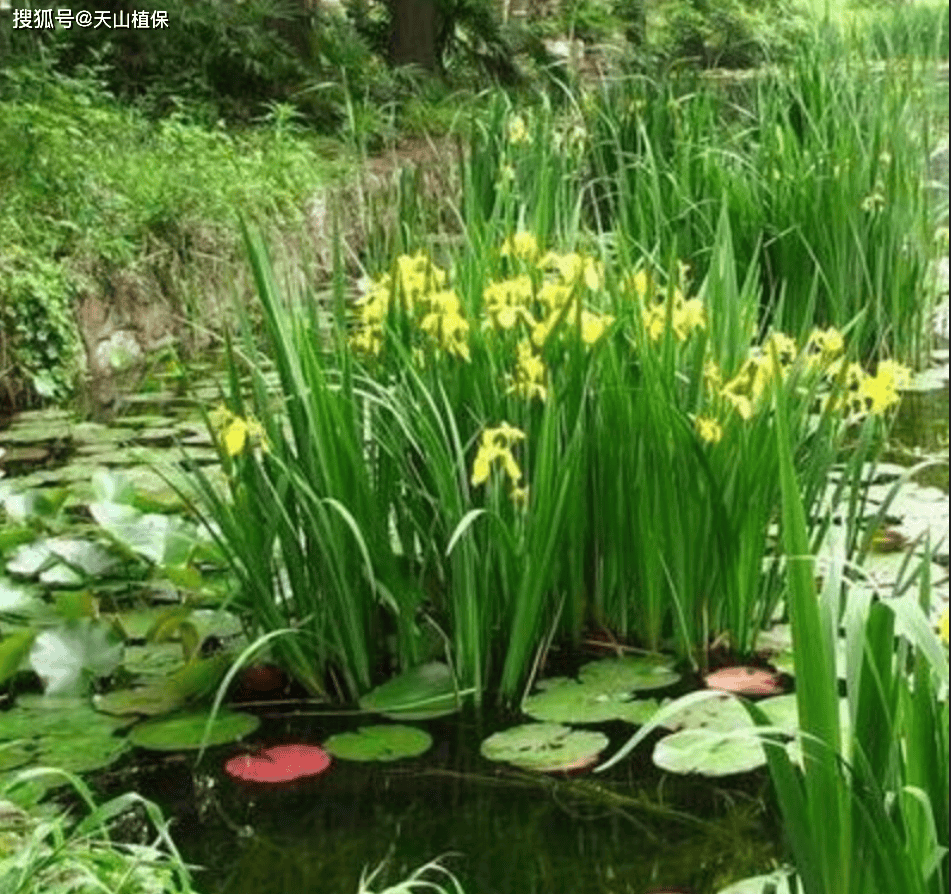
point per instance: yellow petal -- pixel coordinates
(480, 468)
(235, 436)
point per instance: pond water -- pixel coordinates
(508, 832)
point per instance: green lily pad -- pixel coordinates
(418, 694)
(162, 539)
(719, 714)
(17, 600)
(62, 732)
(382, 742)
(83, 555)
(708, 752)
(30, 559)
(153, 660)
(544, 747)
(143, 701)
(68, 657)
(565, 701)
(633, 673)
(62, 576)
(186, 731)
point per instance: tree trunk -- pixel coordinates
(413, 38)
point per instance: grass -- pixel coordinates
(44, 852)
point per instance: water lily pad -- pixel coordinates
(562, 700)
(743, 680)
(633, 673)
(153, 660)
(708, 752)
(143, 701)
(382, 742)
(418, 694)
(62, 576)
(280, 763)
(70, 656)
(161, 539)
(83, 555)
(545, 747)
(63, 732)
(720, 714)
(30, 559)
(186, 731)
(17, 599)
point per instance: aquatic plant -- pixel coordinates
(653, 163)
(502, 447)
(875, 781)
(880, 791)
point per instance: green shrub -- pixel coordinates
(39, 342)
(724, 33)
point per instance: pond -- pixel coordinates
(504, 830)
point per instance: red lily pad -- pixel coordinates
(745, 681)
(280, 763)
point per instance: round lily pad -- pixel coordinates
(418, 694)
(280, 763)
(63, 732)
(566, 701)
(744, 680)
(633, 673)
(185, 731)
(382, 742)
(141, 700)
(708, 752)
(545, 747)
(721, 714)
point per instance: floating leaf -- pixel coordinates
(67, 658)
(30, 559)
(280, 763)
(418, 694)
(62, 576)
(16, 599)
(83, 555)
(709, 752)
(633, 673)
(144, 701)
(161, 539)
(63, 732)
(545, 747)
(566, 701)
(382, 742)
(186, 731)
(742, 680)
(722, 713)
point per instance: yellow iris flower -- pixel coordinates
(496, 445)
